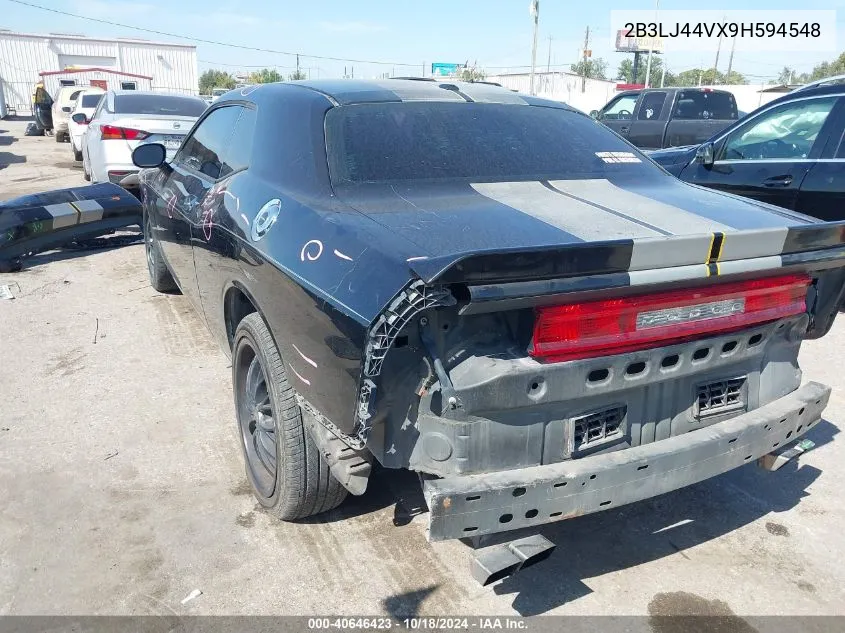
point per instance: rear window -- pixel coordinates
(383, 142)
(173, 105)
(702, 105)
(91, 101)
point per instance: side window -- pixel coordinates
(204, 150)
(703, 104)
(100, 107)
(620, 109)
(239, 148)
(785, 132)
(128, 85)
(651, 106)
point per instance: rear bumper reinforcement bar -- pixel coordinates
(472, 505)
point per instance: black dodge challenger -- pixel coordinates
(489, 289)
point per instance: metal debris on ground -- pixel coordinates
(774, 461)
(196, 593)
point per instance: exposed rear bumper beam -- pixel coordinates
(473, 505)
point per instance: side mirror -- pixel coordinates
(594, 114)
(149, 155)
(704, 154)
(80, 118)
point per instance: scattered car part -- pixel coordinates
(41, 222)
(773, 461)
(500, 561)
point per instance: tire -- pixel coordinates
(284, 467)
(77, 153)
(59, 137)
(161, 278)
(85, 174)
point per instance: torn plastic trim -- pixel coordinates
(409, 303)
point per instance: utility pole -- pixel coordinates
(718, 50)
(663, 75)
(584, 60)
(549, 61)
(423, 70)
(731, 60)
(650, 48)
(297, 65)
(535, 12)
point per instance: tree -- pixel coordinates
(264, 76)
(297, 74)
(826, 69)
(215, 79)
(786, 75)
(471, 73)
(706, 77)
(626, 71)
(591, 68)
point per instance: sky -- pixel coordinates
(405, 36)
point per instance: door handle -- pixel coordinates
(778, 181)
(624, 130)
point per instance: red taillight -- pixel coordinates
(112, 132)
(614, 326)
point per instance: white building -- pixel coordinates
(26, 58)
(561, 86)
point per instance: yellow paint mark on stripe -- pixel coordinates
(718, 272)
(721, 247)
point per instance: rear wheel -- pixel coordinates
(77, 153)
(285, 469)
(160, 277)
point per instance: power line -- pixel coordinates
(204, 41)
(211, 63)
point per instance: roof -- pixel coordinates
(810, 91)
(110, 71)
(111, 40)
(349, 91)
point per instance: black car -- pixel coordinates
(490, 289)
(789, 152)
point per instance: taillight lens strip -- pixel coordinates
(113, 132)
(614, 326)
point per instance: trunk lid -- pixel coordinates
(547, 229)
(168, 130)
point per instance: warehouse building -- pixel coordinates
(75, 60)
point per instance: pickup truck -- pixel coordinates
(487, 289)
(668, 117)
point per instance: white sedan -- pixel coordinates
(85, 104)
(125, 119)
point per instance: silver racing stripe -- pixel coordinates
(64, 215)
(753, 243)
(673, 220)
(580, 218)
(89, 210)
